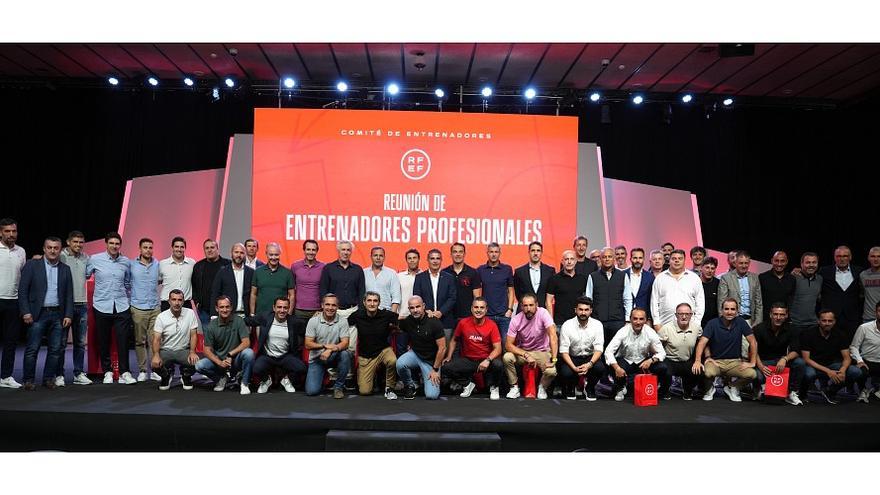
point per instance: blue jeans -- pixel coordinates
(409, 362)
(853, 374)
(80, 329)
(795, 373)
(48, 324)
(204, 317)
(244, 361)
(503, 323)
(341, 360)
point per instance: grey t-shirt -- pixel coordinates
(871, 284)
(325, 332)
(803, 304)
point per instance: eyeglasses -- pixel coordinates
(683, 314)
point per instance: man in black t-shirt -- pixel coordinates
(374, 329)
(825, 349)
(427, 346)
(563, 290)
(778, 348)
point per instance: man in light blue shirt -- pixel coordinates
(112, 272)
(144, 304)
(382, 280)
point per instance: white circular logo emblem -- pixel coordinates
(415, 164)
(649, 389)
(776, 380)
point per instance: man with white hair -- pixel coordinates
(346, 280)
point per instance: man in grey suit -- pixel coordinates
(45, 299)
(743, 286)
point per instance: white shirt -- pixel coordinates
(238, 273)
(278, 342)
(634, 348)
(535, 277)
(435, 281)
(843, 277)
(175, 331)
(577, 340)
(252, 263)
(667, 293)
(635, 281)
(176, 275)
(11, 263)
(866, 343)
(407, 280)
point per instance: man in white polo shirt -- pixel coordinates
(175, 272)
(174, 342)
(580, 349)
(12, 260)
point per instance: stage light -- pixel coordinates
(215, 93)
(439, 93)
(638, 99)
(392, 89)
(342, 86)
(113, 81)
(530, 93)
(289, 82)
(687, 98)
(153, 81)
(595, 96)
(188, 81)
(230, 83)
(727, 102)
(486, 92)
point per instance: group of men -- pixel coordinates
(609, 318)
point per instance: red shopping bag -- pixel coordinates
(530, 377)
(777, 384)
(646, 389)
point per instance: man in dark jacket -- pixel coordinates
(277, 346)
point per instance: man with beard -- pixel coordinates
(807, 287)
(235, 280)
(174, 342)
(723, 336)
(778, 348)
(531, 341)
(777, 285)
(480, 352)
(374, 329)
(640, 280)
(467, 282)
(580, 347)
(277, 346)
(427, 349)
(825, 349)
(533, 277)
(203, 274)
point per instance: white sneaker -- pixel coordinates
(155, 376)
(59, 381)
(9, 382)
(82, 379)
(710, 394)
(793, 399)
(220, 385)
(514, 392)
(863, 396)
(127, 379)
(732, 393)
(108, 377)
(877, 393)
(494, 393)
(142, 376)
(542, 394)
(621, 394)
(264, 385)
(389, 394)
(288, 387)
(468, 390)
(760, 393)
(245, 390)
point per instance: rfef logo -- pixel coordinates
(776, 380)
(649, 389)
(415, 164)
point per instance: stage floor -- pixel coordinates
(141, 418)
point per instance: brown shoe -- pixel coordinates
(49, 384)
(338, 393)
(29, 387)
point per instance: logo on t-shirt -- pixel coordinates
(475, 338)
(415, 164)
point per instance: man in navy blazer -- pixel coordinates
(45, 299)
(636, 274)
(440, 306)
(277, 346)
(522, 277)
(841, 290)
(226, 284)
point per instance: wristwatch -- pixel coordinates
(437, 370)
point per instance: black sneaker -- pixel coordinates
(590, 394)
(828, 396)
(409, 393)
(187, 382)
(165, 381)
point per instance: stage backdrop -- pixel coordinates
(414, 179)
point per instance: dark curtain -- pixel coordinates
(767, 178)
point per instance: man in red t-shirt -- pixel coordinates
(480, 352)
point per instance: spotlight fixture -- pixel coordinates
(215, 94)
(392, 89)
(152, 81)
(638, 99)
(342, 86)
(188, 81)
(230, 83)
(595, 96)
(113, 81)
(687, 98)
(530, 93)
(439, 93)
(486, 92)
(289, 82)
(727, 102)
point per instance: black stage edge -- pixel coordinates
(120, 418)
